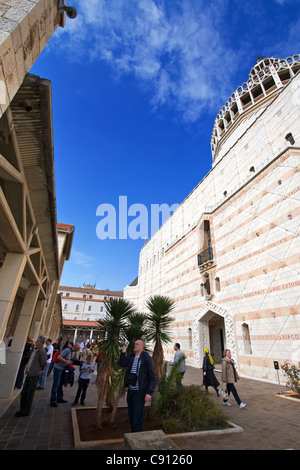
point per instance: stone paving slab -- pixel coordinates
(269, 422)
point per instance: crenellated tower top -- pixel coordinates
(266, 79)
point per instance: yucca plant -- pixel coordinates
(118, 310)
(167, 387)
(135, 329)
(183, 409)
(158, 324)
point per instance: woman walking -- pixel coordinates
(229, 376)
(209, 378)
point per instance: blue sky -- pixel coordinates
(136, 86)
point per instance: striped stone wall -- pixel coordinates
(251, 200)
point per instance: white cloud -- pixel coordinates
(177, 49)
(171, 48)
(81, 259)
(289, 43)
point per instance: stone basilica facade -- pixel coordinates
(229, 256)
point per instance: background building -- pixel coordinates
(229, 255)
(82, 309)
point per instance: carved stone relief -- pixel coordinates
(201, 330)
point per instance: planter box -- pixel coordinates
(289, 395)
(84, 444)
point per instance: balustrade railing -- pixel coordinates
(205, 256)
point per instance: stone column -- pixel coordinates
(10, 277)
(9, 371)
(75, 335)
(91, 334)
(35, 328)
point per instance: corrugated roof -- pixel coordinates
(64, 226)
(80, 323)
(32, 114)
(118, 293)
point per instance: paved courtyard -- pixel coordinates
(269, 422)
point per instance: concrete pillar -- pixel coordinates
(50, 330)
(75, 335)
(275, 76)
(8, 372)
(10, 277)
(35, 328)
(54, 330)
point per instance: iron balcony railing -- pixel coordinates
(205, 256)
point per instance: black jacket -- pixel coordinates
(206, 364)
(146, 377)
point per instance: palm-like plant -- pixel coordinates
(159, 322)
(117, 312)
(135, 329)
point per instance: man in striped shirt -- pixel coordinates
(140, 378)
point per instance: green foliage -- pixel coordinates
(110, 375)
(184, 409)
(159, 332)
(292, 374)
(135, 329)
(167, 389)
(118, 310)
(159, 320)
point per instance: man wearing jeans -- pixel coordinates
(140, 378)
(179, 356)
(64, 359)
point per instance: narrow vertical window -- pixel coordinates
(190, 339)
(206, 284)
(246, 339)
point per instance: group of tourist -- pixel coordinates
(38, 361)
(140, 377)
